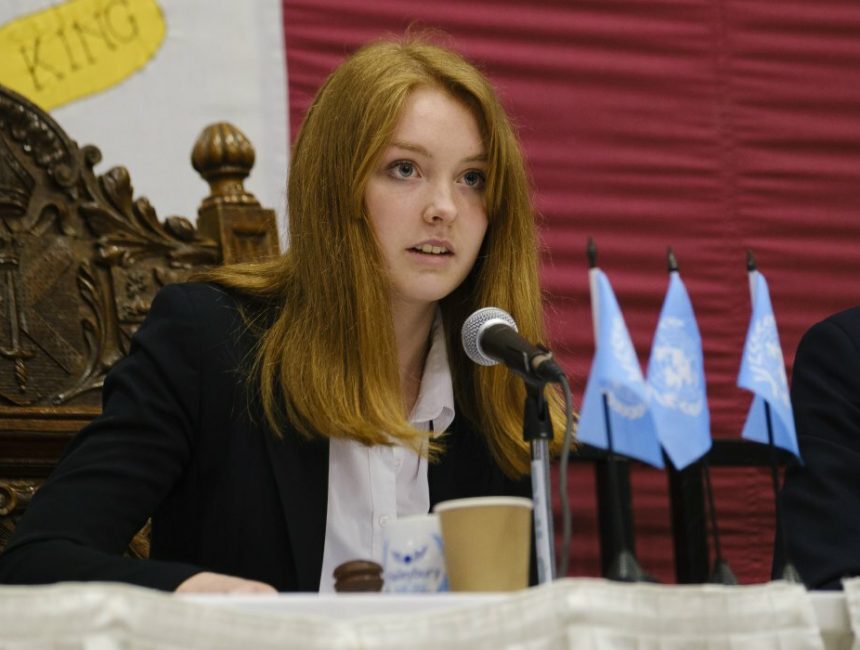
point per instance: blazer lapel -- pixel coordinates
(458, 473)
(301, 471)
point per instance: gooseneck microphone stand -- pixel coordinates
(537, 431)
(490, 336)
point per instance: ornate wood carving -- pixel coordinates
(80, 261)
(74, 242)
(14, 497)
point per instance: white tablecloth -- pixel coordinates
(574, 613)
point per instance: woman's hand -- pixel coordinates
(208, 582)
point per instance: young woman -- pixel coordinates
(273, 419)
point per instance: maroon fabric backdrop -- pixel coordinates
(712, 126)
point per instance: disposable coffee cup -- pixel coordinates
(413, 559)
(487, 541)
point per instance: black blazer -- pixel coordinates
(178, 441)
(821, 499)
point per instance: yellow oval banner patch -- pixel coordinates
(78, 48)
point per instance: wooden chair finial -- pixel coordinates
(223, 156)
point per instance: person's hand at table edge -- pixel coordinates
(208, 582)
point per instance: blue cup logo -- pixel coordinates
(414, 557)
(409, 558)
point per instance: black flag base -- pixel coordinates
(722, 574)
(790, 574)
(625, 568)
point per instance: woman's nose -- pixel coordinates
(441, 204)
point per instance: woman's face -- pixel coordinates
(425, 199)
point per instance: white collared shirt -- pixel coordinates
(370, 486)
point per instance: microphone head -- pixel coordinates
(475, 326)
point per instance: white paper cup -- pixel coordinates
(487, 541)
(413, 558)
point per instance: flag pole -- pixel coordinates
(722, 573)
(789, 572)
(624, 566)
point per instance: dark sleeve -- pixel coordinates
(821, 499)
(119, 468)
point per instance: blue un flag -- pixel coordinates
(676, 379)
(615, 372)
(763, 373)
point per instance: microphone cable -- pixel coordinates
(564, 502)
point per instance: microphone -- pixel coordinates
(490, 336)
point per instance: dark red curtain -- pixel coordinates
(713, 126)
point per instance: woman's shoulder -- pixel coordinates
(202, 314)
(205, 300)
(199, 295)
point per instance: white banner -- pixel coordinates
(141, 78)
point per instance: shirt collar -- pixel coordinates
(435, 403)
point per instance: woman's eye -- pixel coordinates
(403, 169)
(474, 179)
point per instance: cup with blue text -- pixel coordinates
(413, 559)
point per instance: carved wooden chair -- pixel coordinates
(80, 261)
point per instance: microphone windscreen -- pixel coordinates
(475, 325)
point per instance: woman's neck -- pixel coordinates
(412, 334)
